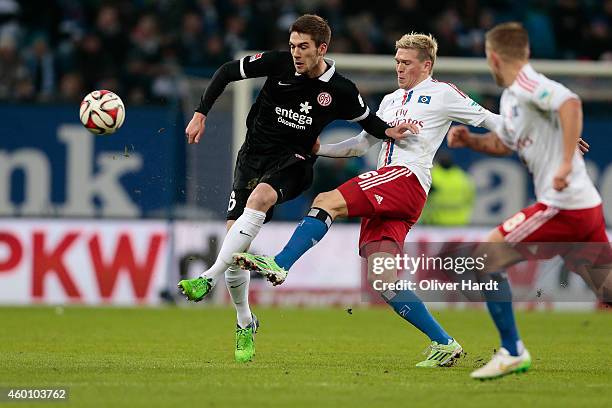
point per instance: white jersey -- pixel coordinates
(432, 106)
(530, 126)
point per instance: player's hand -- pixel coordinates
(560, 181)
(195, 128)
(458, 136)
(316, 146)
(583, 146)
(402, 131)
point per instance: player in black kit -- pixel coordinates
(302, 94)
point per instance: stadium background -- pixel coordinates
(118, 219)
(114, 221)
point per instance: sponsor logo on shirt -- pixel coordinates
(305, 107)
(401, 117)
(399, 121)
(293, 119)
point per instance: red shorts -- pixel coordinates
(567, 228)
(541, 223)
(389, 200)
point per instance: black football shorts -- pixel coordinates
(289, 175)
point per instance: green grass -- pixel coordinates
(324, 357)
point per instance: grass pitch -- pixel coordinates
(184, 357)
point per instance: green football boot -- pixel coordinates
(195, 289)
(265, 265)
(441, 355)
(245, 341)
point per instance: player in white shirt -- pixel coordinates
(390, 199)
(542, 122)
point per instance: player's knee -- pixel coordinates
(332, 202)
(381, 271)
(262, 199)
(381, 282)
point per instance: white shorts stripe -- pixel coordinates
(406, 173)
(242, 74)
(534, 218)
(378, 177)
(546, 216)
(531, 225)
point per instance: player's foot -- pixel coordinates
(195, 289)
(265, 265)
(502, 364)
(245, 341)
(442, 355)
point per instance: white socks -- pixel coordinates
(238, 239)
(237, 281)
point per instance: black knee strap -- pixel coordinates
(321, 215)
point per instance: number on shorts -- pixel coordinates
(232, 201)
(511, 223)
(369, 174)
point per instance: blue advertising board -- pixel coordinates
(51, 166)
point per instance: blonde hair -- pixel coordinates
(509, 40)
(425, 44)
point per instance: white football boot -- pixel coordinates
(502, 364)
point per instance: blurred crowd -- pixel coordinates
(57, 49)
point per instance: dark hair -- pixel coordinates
(510, 40)
(313, 25)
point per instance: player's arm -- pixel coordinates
(461, 108)
(551, 96)
(228, 72)
(379, 129)
(489, 143)
(353, 147)
(570, 116)
(258, 65)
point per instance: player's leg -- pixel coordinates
(499, 302)
(287, 184)
(237, 282)
(537, 223)
(444, 350)
(310, 230)
(247, 174)
(244, 229)
(326, 207)
(592, 258)
(290, 182)
(512, 356)
(244, 226)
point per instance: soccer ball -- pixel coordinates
(102, 112)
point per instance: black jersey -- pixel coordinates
(291, 110)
